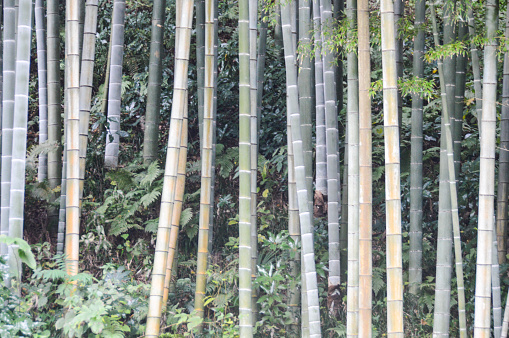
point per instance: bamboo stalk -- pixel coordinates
(42, 80)
(392, 174)
(184, 15)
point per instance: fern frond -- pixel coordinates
(153, 172)
(186, 216)
(148, 199)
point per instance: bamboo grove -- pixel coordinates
(359, 79)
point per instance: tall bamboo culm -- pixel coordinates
(352, 317)
(503, 171)
(415, 233)
(177, 209)
(115, 87)
(9, 59)
(19, 132)
(447, 135)
(42, 72)
(309, 282)
(482, 318)
(151, 134)
(245, 283)
(332, 140)
(253, 82)
(54, 108)
(365, 173)
(184, 17)
(86, 82)
(72, 232)
(207, 140)
(392, 174)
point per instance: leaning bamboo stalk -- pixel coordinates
(459, 98)
(207, 154)
(184, 15)
(485, 226)
(447, 130)
(19, 132)
(392, 174)
(114, 92)
(365, 173)
(505, 323)
(476, 68)
(86, 83)
(42, 72)
(9, 65)
(308, 258)
(177, 208)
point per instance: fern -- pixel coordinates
(186, 216)
(149, 198)
(40, 149)
(153, 172)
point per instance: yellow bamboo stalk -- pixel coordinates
(72, 138)
(184, 18)
(392, 174)
(365, 172)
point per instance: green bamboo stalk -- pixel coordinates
(81, 24)
(392, 174)
(19, 133)
(503, 171)
(54, 95)
(453, 197)
(9, 64)
(365, 173)
(496, 293)
(505, 323)
(151, 134)
(305, 92)
(321, 147)
(106, 85)
(476, 69)
(54, 110)
(308, 258)
(332, 141)
(253, 82)
(487, 178)
(200, 60)
(115, 87)
(415, 234)
(86, 83)
(459, 98)
(42, 72)
(352, 317)
(449, 31)
(399, 12)
(208, 132)
(62, 199)
(184, 17)
(245, 283)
